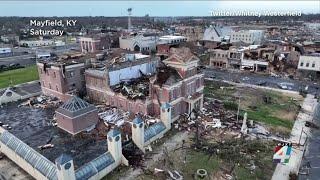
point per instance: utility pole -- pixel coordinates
(238, 110)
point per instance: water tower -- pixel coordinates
(129, 19)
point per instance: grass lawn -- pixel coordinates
(18, 76)
(272, 108)
(199, 160)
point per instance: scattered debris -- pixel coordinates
(156, 170)
(46, 146)
(134, 89)
(114, 116)
(175, 175)
(43, 102)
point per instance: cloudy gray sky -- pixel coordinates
(141, 8)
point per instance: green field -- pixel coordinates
(18, 76)
(275, 109)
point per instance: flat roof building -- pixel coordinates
(310, 63)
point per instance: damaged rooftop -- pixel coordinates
(34, 127)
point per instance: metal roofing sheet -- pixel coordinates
(35, 159)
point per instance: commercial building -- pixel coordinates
(118, 84)
(59, 79)
(309, 63)
(219, 58)
(142, 85)
(248, 36)
(37, 43)
(94, 43)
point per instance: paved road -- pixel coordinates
(264, 80)
(28, 59)
(306, 114)
(310, 166)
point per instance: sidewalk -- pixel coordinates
(306, 114)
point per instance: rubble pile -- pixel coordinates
(114, 116)
(43, 102)
(133, 89)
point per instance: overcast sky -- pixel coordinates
(141, 8)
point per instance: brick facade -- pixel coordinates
(61, 81)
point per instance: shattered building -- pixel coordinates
(167, 42)
(124, 83)
(309, 66)
(76, 115)
(61, 79)
(178, 83)
(219, 58)
(142, 85)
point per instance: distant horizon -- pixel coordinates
(142, 16)
(141, 8)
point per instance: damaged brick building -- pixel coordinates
(140, 83)
(61, 80)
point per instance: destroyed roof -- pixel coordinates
(153, 131)
(94, 167)
(181, 55)
(167, 76)
(75, 106)
(36, 160)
